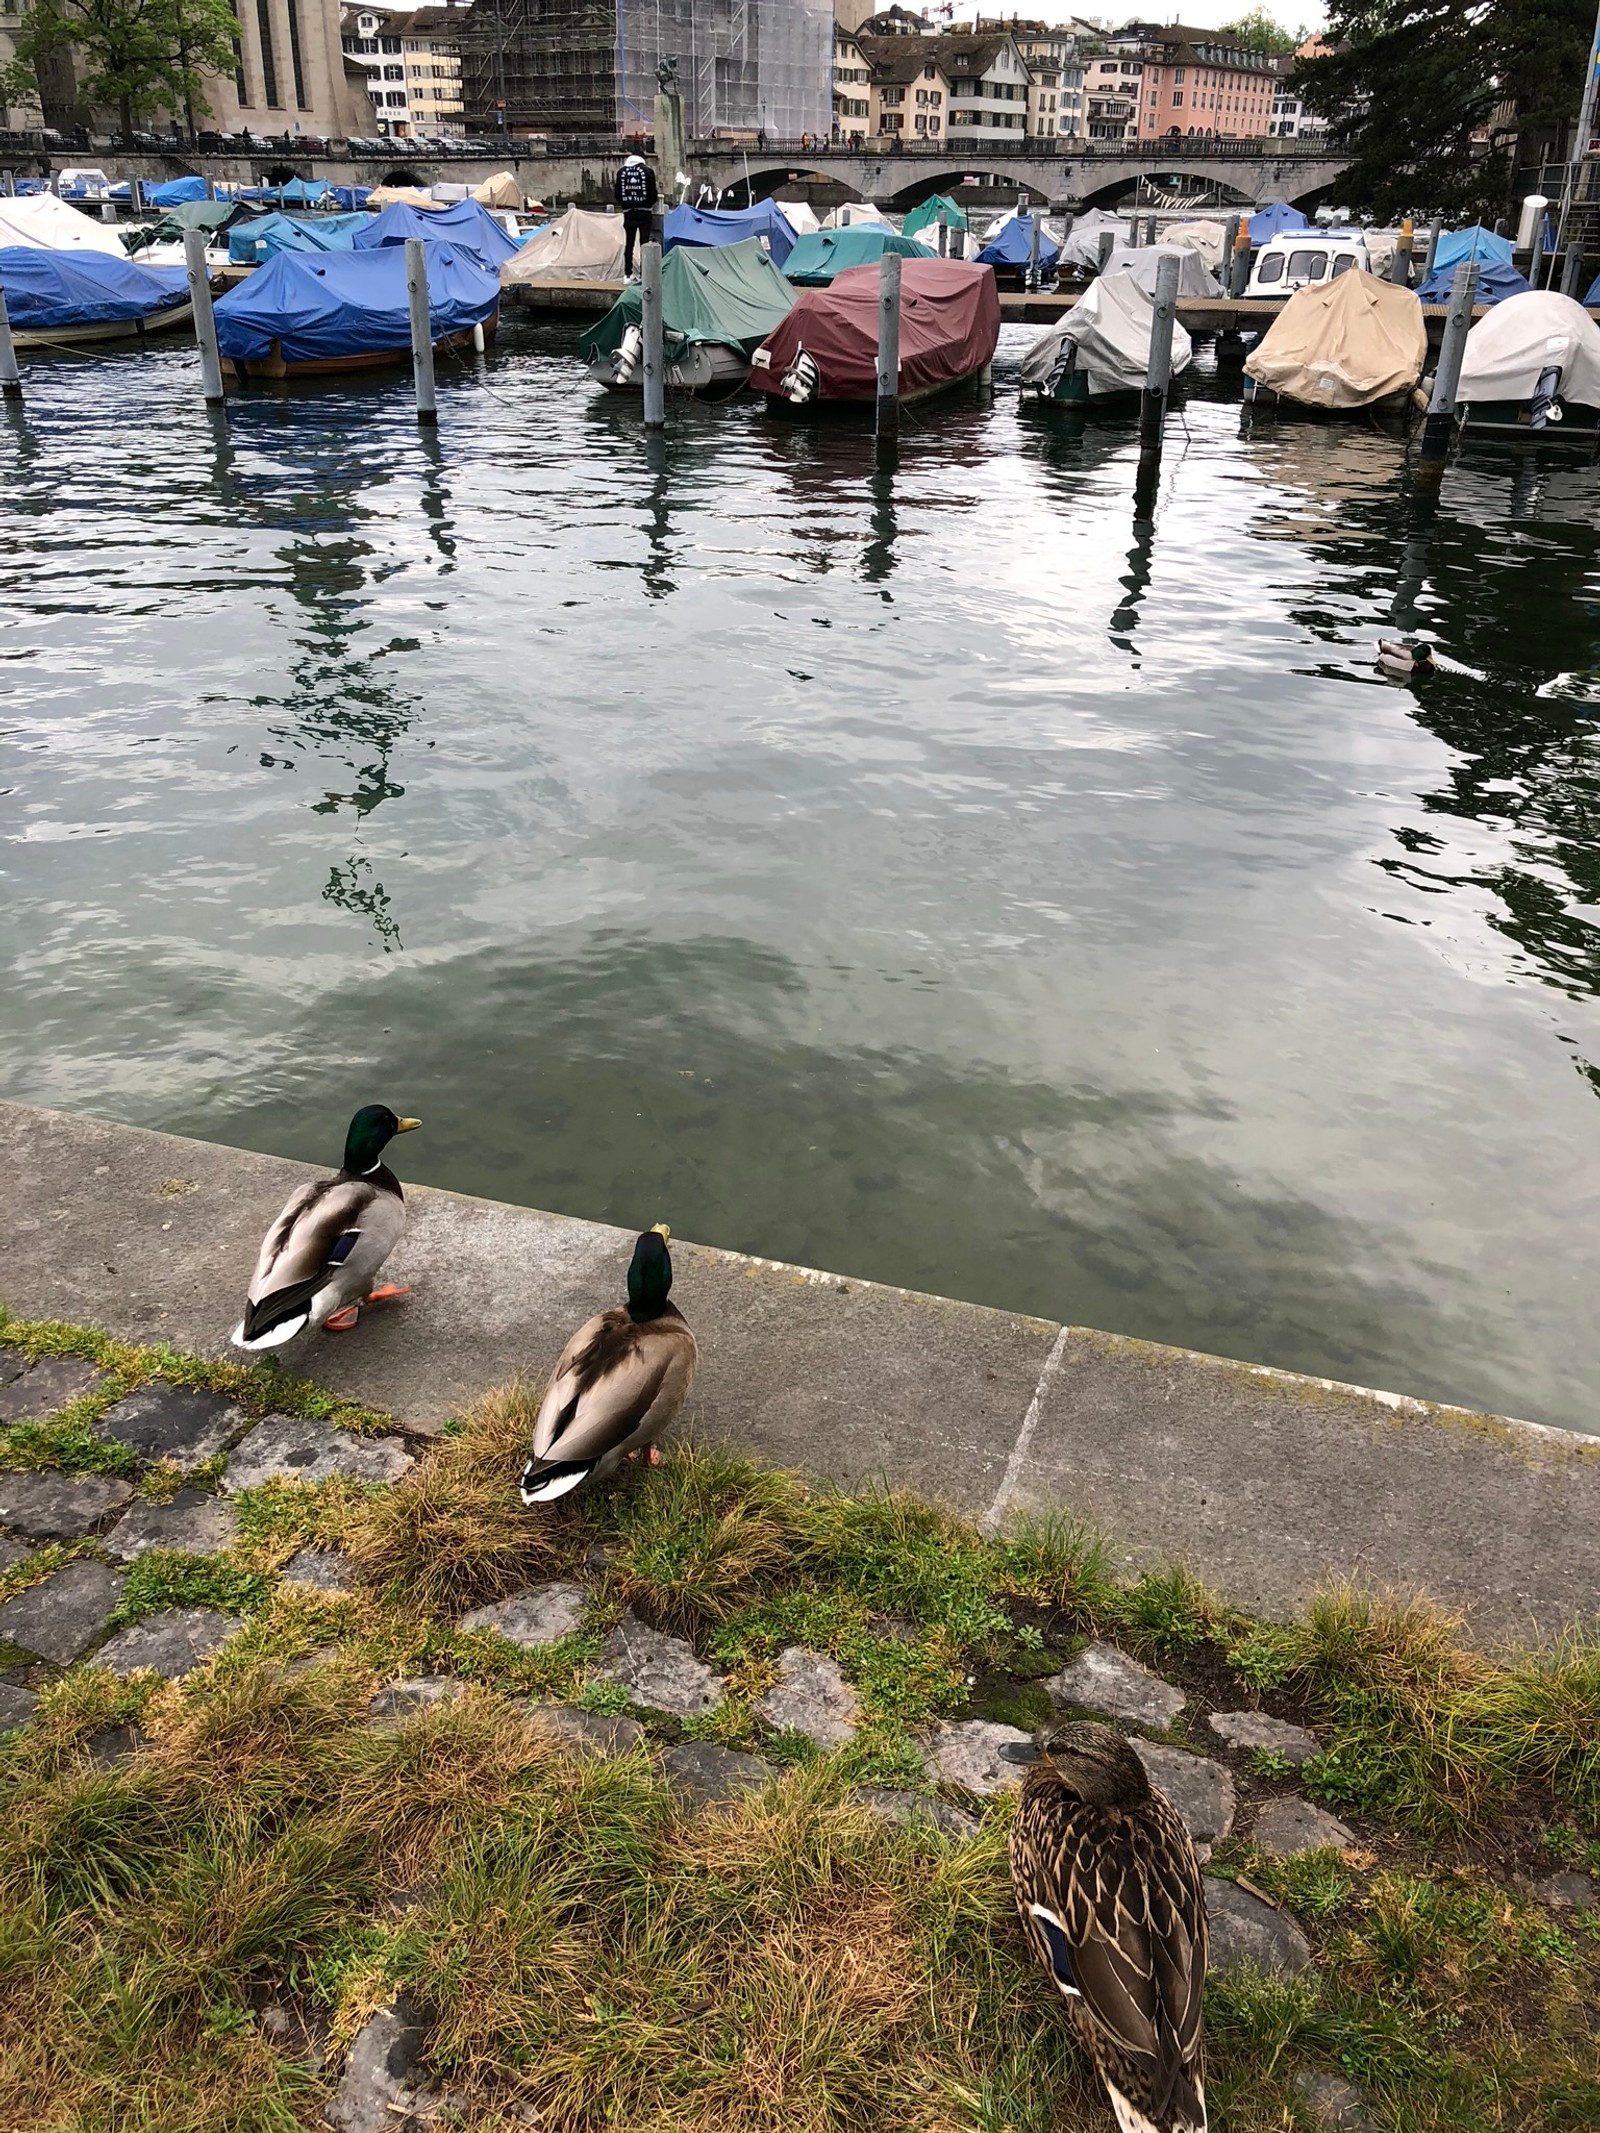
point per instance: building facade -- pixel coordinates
(1191, 83)
(1291, 121)
(852, 87)
(1055, 54)
(976, 87)
(910, 93)
(412, 65)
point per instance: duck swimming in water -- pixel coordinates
(1404, 660)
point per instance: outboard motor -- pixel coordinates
(802, 379)
(1545, 408)
(629, 355)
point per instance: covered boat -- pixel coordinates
(1080, 250)
(850, 212)
(1497, 279)
(719, 226)
(1201, 236)
(1474, 242)
(816, 260)
(1142, 263)
(927, 217)
(263, 237)
(500, 190)
(826, 350)
(1273, 219)
(41, 220)
(312, 314)
(1356, 342)
(1532, 368)
(1101, 350)
(175, 192)
(577, 246)
(1011, 249)
(463, 224)
(717, 306)
(56, 299)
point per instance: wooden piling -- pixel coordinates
(654, 365)
(1033, 251)
(1158, 371)
(1239, 259)
(1400, 258)
(1107, 245)
(421, 330)
(1434, 229)
(888, 417)
(1439, 427)
(1572, 273)
(205, 324)
(10, 375)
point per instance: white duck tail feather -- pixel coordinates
(557, 1485)
(274, 1337)
(1130, 2119)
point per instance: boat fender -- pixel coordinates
(1545, 408)
(1066, 359)
(801, 379)
(628, 355)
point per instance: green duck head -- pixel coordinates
(650, 1275)
(371, 1130)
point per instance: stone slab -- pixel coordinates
(320, 1569)
(12, 1552)
(17, 1706)
(1266, 1484)
(192, 1522)
(1288, 1827)
(59, 1506)
(287, 1448)
(59, 1618)
(914, 1810)
(811, 1696)
(1272, 1736)
(374, 2093)
(593, 1736)
(1569, 1891)
(1107, 1681)
(1263, 1481)
(401, 1698)
(542, 1615)
(1201, 1790)
(51, 1384)
(661, 1673)
(700, 1774)
(176, 1423)
(966, 1752)
(1333, 2104)
(1249, 1933)
(172, 1643)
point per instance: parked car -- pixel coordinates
(1299, 259)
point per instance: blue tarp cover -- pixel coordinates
(1273, 220)
(1473, 243)
(821, 254)
(175, 192)
(327, 304)
(45, 289)
(1013, 246)
(262, 238)
(1496, 281)
(463, 223)
(304, 192)
(730, 225)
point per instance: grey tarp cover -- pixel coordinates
(1110, 323)
(1081, 247)
(1206, 238)
(1527, 334)
(1343, 343)
(578, 246)
(1142, 262)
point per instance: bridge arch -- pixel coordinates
(1125, 190)
(762, 184)
(924, 186)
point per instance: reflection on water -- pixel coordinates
(934, 866)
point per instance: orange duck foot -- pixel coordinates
(386, 1293)
(344, 1321)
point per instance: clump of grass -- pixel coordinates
(697, 1536)
(906, 1559)
(453, 1533)
(1169, 1611)
(166, 1577)
(1059, 1562)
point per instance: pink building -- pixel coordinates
(1190, 83)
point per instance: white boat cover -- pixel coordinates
(47, 224)
(800, 215)
(1206, 238)
(1524, 335)
(1343, 343)
(578, 246)
(502, 190)
(1082, 246)
(840, 218)
(1141, 264)
(1111, 324)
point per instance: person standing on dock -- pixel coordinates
(636, 196)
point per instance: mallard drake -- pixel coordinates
(1404, 659)
(1110, 1896)
(320, 1258)
(617, 1383)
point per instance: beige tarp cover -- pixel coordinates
(1206, 238)
(502, 190)
(578, 246)
(1343, 343)
(387, 195)
(45, 224)
(1111, 324)
(852, 211)
(1525, 334)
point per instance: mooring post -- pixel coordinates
(1572, 273)
(211, 188)
(888, 424)
(10, 376)
(1107, 244)
(1230, 235)
(108, 211)
(655, 341)
(1239, 259)
(1400, 257)
(136, 195)
(421, 329)
(944, 237)
(1536, 253)
(1158, 370)
(1434, 229)
(1439, 427)
(1033, 251)
(205, 324)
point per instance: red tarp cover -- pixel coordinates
(949, 323)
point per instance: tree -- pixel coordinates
(142, 54)
(18, 86)
(1257, 32)
(1432, 97)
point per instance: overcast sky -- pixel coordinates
(1199, 14)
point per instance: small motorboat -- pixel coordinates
(819, 259)
(1352, 345)
(718, 304)
(67, 299)
(1099, 354)
(1531, 368)
(825, 353)
(318, 314)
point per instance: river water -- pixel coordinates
(930, 874)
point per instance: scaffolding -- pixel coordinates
(589, 66)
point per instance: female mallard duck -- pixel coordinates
(1405, 659)
(320, 1258)
(617, 1384)
(1109, 1891)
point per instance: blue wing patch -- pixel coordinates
(343, 1247)
(1056, 1941)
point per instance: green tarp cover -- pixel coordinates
(188, 215)
(731, 293)
(816, 259)
(927, 216)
